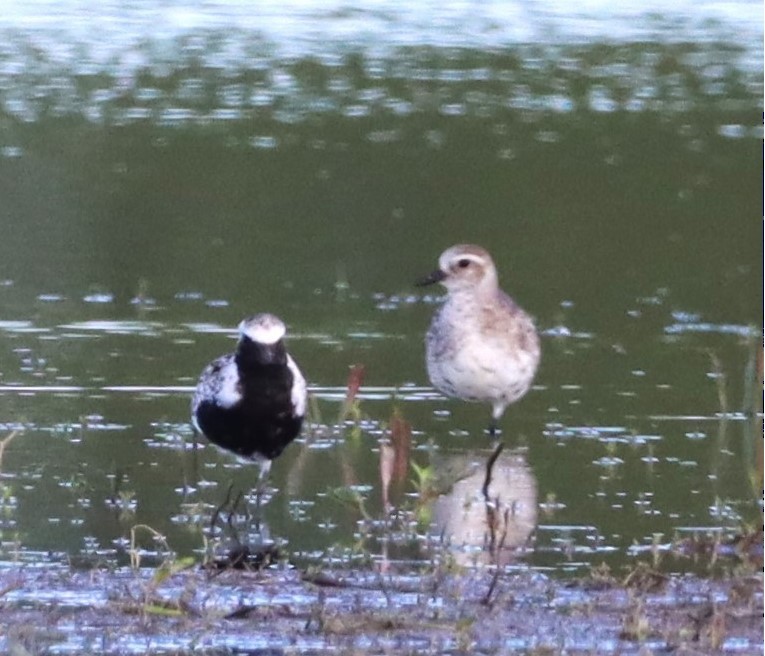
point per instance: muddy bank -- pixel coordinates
(46, 611)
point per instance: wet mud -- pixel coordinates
(486, 611)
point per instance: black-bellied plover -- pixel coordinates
(481, 346)
(252, 402)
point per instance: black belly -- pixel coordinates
(261, 423)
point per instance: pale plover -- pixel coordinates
(481, 345)
(252, 402)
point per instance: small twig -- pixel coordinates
(720, 380)
(355, 381)
(5, 442)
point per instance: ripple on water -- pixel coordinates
(115, 327)
(703, 327)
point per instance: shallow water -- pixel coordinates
(203, 165)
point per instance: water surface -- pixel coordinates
(166, 171)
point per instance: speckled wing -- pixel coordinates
(522, 336)
(219, 384)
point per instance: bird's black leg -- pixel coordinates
(225, 504)
(265, 467)
(256, 515)
(493, 429)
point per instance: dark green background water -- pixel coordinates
(147, 206)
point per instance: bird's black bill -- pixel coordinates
(436, 276)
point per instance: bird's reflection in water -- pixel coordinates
(238, 537)
(486, 524)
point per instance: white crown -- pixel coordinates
(263, 328)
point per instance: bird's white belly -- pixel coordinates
(477, 372)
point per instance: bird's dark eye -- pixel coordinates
(463, 264)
